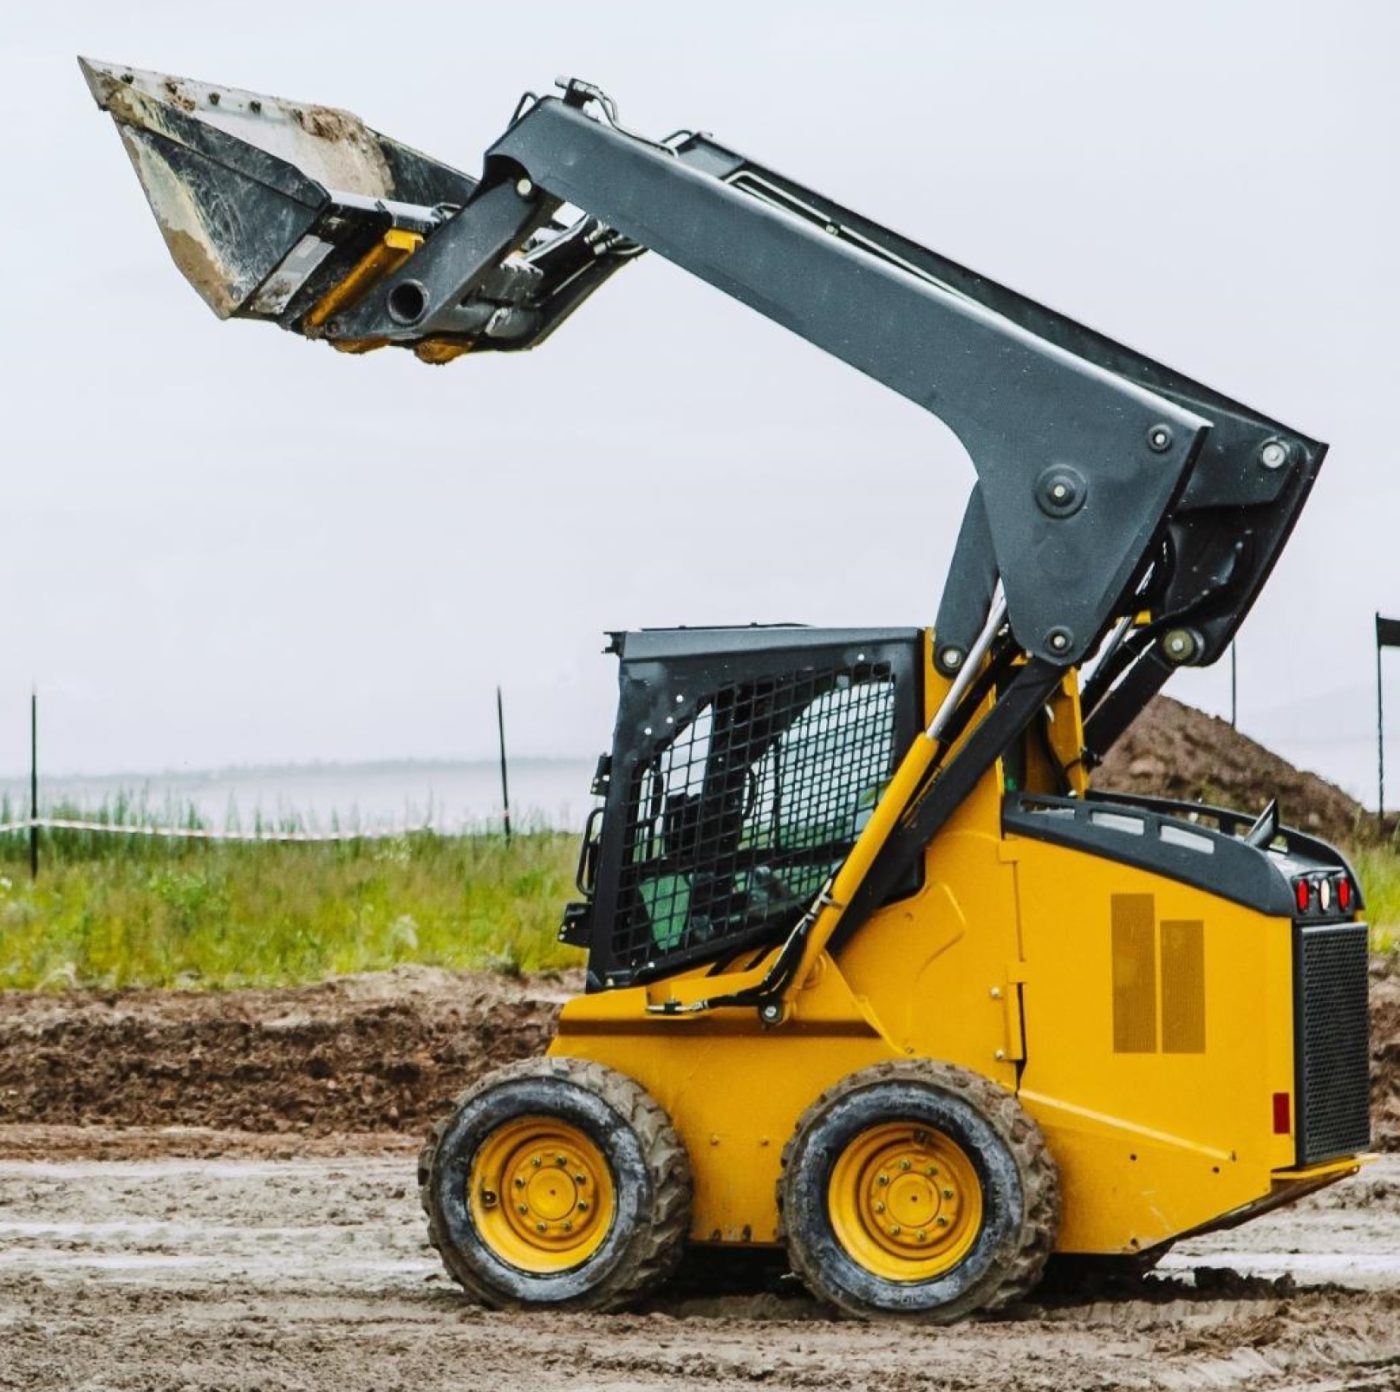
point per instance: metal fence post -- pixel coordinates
(33, 784)
(505, 785)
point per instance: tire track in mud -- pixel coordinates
(314, 1273)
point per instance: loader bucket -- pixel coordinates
(261, 201)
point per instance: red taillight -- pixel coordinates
(1344, 894)
(1283, 1122)
(1302, 892)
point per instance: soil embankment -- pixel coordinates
(1176, 751)
(376, 1053)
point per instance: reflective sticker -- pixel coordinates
(1134, 974)
(1183, 987)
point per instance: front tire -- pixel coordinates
(556, 1182)
(918, 1190)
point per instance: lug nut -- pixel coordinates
(947, 1193)
(583, 1205)
(539, 1227)
(561, 1160)
(921, 1236)
(895, 1230)
(580, 1179)
(883, 1179)
(536, 1161)
(904, 1164)
(522, 1208)
(941, 1220)
(879, 1207)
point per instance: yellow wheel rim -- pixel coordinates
(905, 1201)
(541, 1194)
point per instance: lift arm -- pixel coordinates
(1108, 486)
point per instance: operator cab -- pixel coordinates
(745, 763)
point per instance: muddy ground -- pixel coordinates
(312, 1273)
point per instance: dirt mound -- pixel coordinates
(373, 1053)
(1176, 751)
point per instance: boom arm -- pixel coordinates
(1107, 485)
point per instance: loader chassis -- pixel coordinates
(874, 974)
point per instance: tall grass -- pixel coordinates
(116, 910)
(1378, 868)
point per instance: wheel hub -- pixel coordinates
(905, 1201)
(541, 1194)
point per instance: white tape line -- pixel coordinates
(201, 834)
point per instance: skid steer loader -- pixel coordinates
(874, 975)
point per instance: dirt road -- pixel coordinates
(311, 1273)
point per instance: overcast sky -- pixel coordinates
(224, 544)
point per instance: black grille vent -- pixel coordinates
(733, 825)
(1333, 1041)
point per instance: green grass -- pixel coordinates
(111, 911)
(1378, 868)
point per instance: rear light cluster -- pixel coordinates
(1324, 894)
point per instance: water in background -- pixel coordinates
(450, 796)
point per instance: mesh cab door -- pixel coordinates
(745, 763)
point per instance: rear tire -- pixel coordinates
(918, 1190)
(556, 1182)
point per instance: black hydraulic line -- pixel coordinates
(1019, 703)
(1106, 674)
(1120, 707)
(1047, 748)
(992, 677)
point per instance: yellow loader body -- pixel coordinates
(1145, 1024)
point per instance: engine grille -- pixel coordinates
(1332, 1041)
(734, 824)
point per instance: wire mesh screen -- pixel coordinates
(734, 824)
